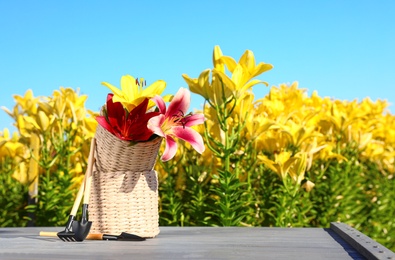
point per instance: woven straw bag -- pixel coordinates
(124, 193)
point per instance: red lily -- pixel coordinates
(128, 126)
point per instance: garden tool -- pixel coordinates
(68, 234)
(122, 237)
(81, 228)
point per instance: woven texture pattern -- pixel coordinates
(125, 202)
(113, 154)
(124, 193)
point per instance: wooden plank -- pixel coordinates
(362, 243)
(185, 242)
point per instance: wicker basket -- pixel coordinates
(124, 193)
(113, 154)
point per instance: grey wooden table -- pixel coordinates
(201, 243)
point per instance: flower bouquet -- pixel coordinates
(132, 124)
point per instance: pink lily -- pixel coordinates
(173, 122)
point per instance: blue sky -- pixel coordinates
(344, 49)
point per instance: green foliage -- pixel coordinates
(236, 190)
(13, 197)
(230, 207)
(56, 194)
(54, 200)
(354, 192)
(171, 201)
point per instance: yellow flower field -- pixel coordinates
(287, 159)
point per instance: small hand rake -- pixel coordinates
(74, 231)
(81, 228)
(67, 235)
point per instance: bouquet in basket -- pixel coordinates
(132, 125)
(137, 113)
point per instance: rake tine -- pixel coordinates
(64, 236)
(70, 239)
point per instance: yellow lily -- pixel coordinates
(247, 61)
(25, 128)
(222, 86)
(215, 92)
(238, 82)
(281, 164)
(298, 169)
(5, 134)
(132, 93)
(89, 125)
(285, 164)
(217, 59)
(40, 122)
(66, 103)
(201, 85)
(327, 153)
(257, 124)
(243, 72)
(24, 104)
(299, 134)
(20, 173)
(28, 102)
(10, 145)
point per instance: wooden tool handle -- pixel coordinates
(48, 234)
(78, 200)
(95, 237)
(55, 234)
(88, 174)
